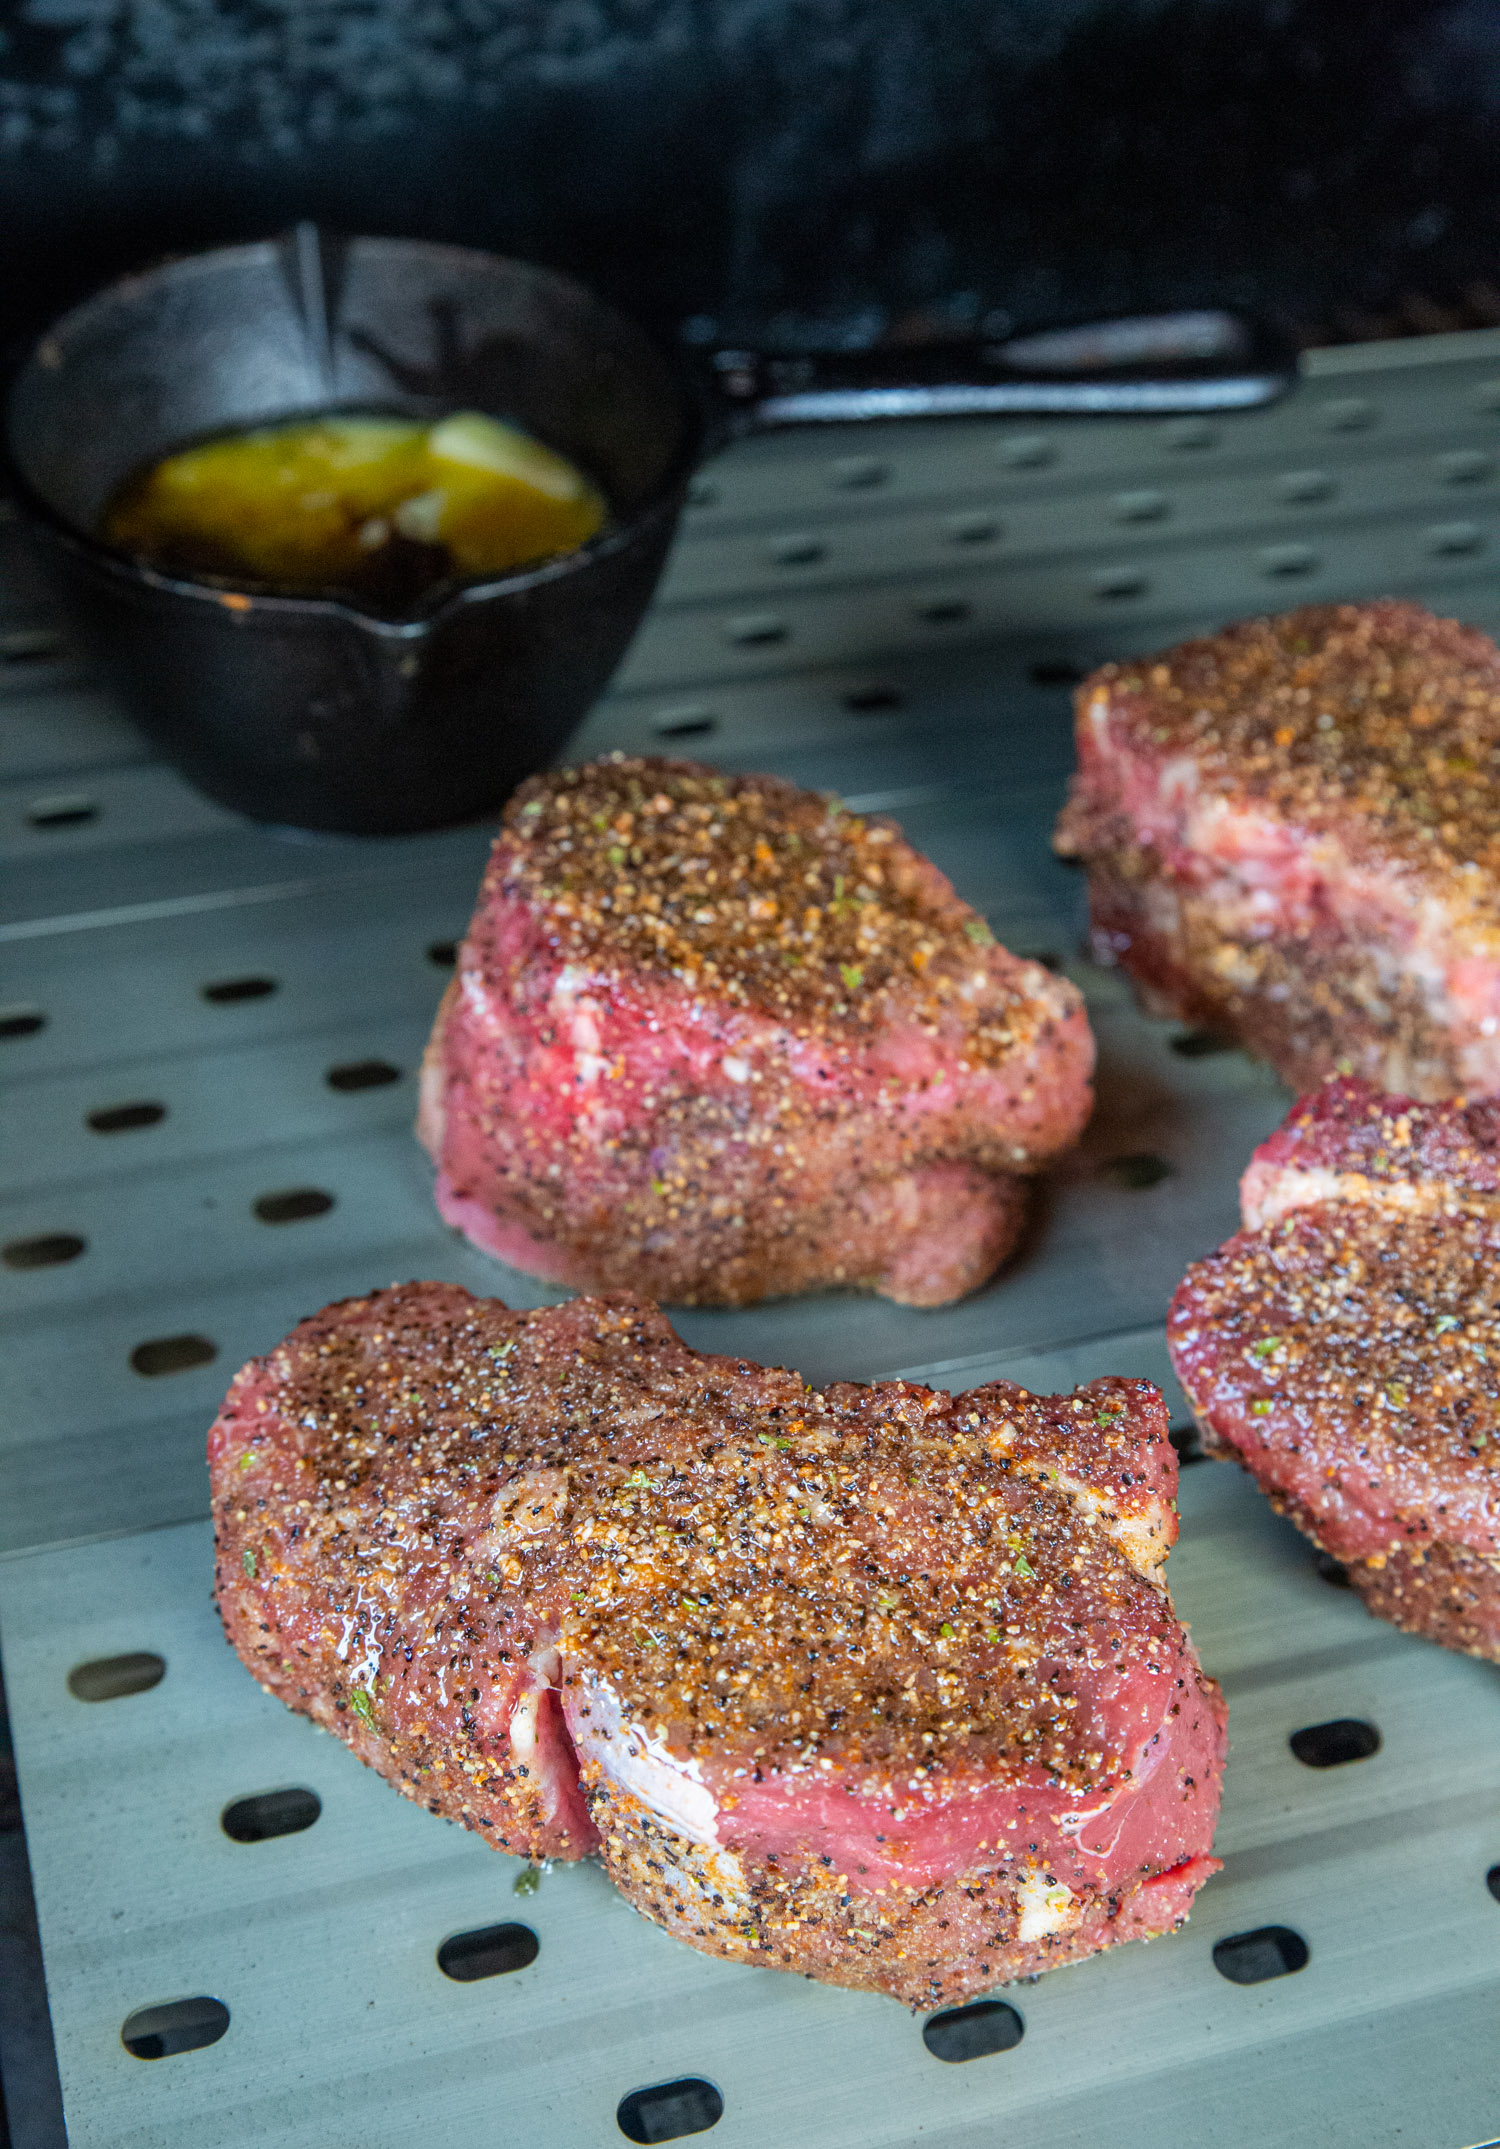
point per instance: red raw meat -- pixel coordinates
(1351, 1142)
(713, 1038)
(877, 1684)
(1292, 834)
(1345, 1347)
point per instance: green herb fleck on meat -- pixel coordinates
(363, 1708)
(527, 1882)
(247, 1561)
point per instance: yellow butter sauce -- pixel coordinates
(375, 508)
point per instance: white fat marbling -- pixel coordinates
(1047, 1906)
(643, 1765)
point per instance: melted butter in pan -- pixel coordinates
(381, 509)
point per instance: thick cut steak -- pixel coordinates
(713, 1038)
(878, 1684)
(1292, 834)
(1345, 1347)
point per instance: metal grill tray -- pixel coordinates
(894, 613)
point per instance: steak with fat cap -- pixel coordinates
(874, 1683)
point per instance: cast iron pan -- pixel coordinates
(312, 711)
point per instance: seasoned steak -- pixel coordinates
(877, 1684)
(1345, 1347)
(1292, 834)
(1350, 1142)
(714, 1038)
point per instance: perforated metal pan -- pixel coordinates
(896, 616)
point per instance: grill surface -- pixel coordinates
(197, 1014)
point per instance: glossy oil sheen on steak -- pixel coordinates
(715, 1039)
(1345, 1347)
(876, 1684)
(1292, 834)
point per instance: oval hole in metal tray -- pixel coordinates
(172, 1354)
(971, 529)
(1137, 1171)
(174, 2026)
(267, 1814)
(226, 992)
(691, 720)
(31, 645)
(856, 473)
(1251, 1958)
(1115, 584)
(1304, 488)
(489, 1951)
(668, 2110)
(1202, 1044)
(65, 809)
(48, 1250)
(1330, 1745)
(112, 1678)
(975, 2032)
(756, 630)
(362, 1074)
(798, 549)
(124, 1118)
(292, 1205)
(1184, 1439)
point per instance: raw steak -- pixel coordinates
(1345, 1347)
(713, 1038)
(877, 1684)
(1292, 834)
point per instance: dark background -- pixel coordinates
(800, 170)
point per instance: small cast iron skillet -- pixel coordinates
(312, 711)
